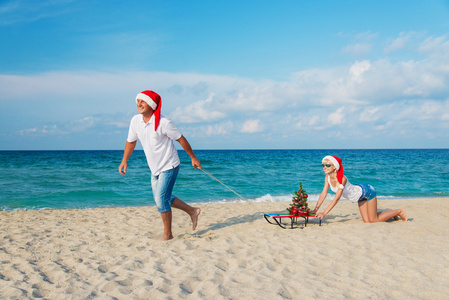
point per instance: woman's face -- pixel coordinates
(328, 167)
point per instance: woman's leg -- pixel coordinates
(364, 211)
(368, 210)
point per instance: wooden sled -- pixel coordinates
(277, 218)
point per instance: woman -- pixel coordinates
(363, 194)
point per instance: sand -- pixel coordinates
(115, 253)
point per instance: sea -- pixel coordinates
(37, 180)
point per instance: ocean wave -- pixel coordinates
(285, 198)
(264, 198)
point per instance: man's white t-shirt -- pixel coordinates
(158, 145)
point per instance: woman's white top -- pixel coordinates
(351, 192)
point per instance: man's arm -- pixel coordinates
(188, 149)
(129, 148)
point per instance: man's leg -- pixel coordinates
(166, 219)
(159, 185)
(193, 212)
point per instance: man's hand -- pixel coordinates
(122, 168)
(129, 148)
(196, 164)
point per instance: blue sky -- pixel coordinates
(231, 74)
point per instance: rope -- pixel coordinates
(202, 169)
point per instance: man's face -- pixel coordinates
(143, 107)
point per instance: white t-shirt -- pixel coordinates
(158, 145)
(351, 192)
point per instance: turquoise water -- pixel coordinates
(90, 179)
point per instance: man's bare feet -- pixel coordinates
(166, 237)
(403, 215)
(194, 217)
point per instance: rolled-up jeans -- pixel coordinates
(162, 186)
(368, 192)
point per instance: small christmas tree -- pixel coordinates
(299, 206)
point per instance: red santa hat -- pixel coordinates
(154, 101)
(338, 164)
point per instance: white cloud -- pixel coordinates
(358, 68)
(429, 110)
(251, 126)
(366, 36)
(197, 112)
(83, 124)
(369, 114)
(219, 129)
(98, 123)
(358, 49)
(435, 44)
(337, 118)
(314, 120)
(44, 130)
(308, 122)
(362, 43)
(383, 127)
(402, 41)
(437, 49)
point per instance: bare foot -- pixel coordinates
(166, 237)
(194, 217)
(403, 215)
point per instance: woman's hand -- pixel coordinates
(320, 216)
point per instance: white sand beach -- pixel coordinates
(115, 253)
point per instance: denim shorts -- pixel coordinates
(162, 186)
(368, 192)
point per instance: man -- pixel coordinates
(156, 134)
